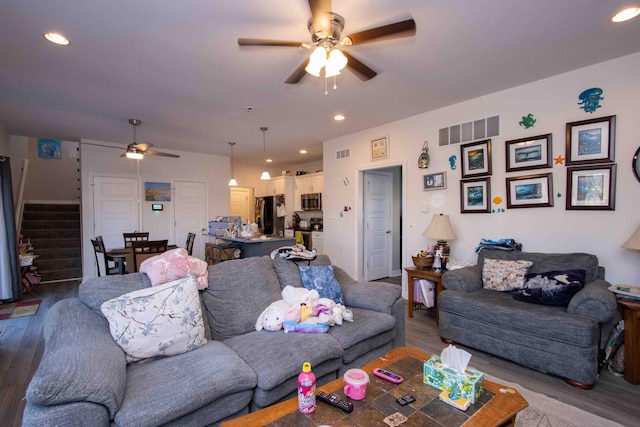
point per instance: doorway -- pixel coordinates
(241, 203)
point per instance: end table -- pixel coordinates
(419, 273)
(631, 312)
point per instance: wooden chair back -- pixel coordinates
(98, 248)
(134, 237)
(191, 237)
(144, 249)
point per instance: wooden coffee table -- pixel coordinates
(494, 408)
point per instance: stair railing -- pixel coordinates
(19, 202)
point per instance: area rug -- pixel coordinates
(19, 309)
(544, 411)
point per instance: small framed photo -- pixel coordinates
(533, 191)
(529, 153)
(475, 196)
(591, 141)
(435, 181)
(380, 148)
(591, 187)
(476, 159)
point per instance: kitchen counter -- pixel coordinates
(258, 247)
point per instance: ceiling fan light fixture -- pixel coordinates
(134, 155)
(317, 61)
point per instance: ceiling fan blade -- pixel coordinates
(267, 42)
(363, 72)
(159, 153)
(399, 29)
(320, 18)
(143, 146)
(298, 74)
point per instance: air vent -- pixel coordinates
(470, 131)
(343, 154)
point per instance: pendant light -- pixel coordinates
(232, 181)
(265, 172)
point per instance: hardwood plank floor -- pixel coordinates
(22, 344)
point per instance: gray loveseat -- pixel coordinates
(83, 378)
(560, 340)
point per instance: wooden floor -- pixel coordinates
(21, 347)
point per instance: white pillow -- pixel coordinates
(503, 275)
(163, 320)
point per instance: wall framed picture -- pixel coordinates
(435, 181)
(532, 191)
(591, 141)
(475, 196)
(591, 187)
(529, 153)
(476, 159)
(380, 148)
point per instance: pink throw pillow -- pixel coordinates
(173, 265)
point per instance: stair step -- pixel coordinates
(35, 207)
(57, 253)
(53, 216)
(61, 274)
(37, 235)
(57, 264)
(72, 242)
(46, 224)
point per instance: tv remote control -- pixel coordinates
(405, 400)
(334, 400)
(389, 376)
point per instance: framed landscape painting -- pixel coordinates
(529, 153)
(476, 159)
(591, 141)
(533, 191)
(475, 196)
(591, 187)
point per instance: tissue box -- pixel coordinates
(469, 386)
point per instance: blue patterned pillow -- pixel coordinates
(321, 278)
(551, 288)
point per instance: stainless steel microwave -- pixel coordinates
(311, 201)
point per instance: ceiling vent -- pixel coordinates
(343, 154)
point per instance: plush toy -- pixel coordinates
(273, 317)
(296, 296)
(306, 312)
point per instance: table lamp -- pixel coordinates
(634, 241)
(440, 229)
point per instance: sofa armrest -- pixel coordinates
(378, 296)
(465, 279)
(594, 301)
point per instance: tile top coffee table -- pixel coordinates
(492, 409)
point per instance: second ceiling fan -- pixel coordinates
(326, 28)
(137, 151)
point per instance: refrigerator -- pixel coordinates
(270, 212)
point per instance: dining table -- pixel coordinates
(124, 257)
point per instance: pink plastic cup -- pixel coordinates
(356, 381)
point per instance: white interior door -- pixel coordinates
(377, 224)
(241, 199)
(115, 209)
(190, 214)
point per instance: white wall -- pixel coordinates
(104, 161)
(553, 102)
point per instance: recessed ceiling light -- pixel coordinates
(57, 39)
(303, 151)
(626, 14)
(269, 160)
(338, 117)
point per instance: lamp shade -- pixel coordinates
(440, 228)
(634, 241)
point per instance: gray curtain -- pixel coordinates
(10, 277)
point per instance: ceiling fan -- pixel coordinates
(326, 28)
(137, 151)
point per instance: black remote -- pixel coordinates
(405, 400)
(334, 400)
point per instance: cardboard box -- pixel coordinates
(469, 386)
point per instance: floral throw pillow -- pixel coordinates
(322, 279)
(502, 275)
(162, 320)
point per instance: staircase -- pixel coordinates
(54, 231)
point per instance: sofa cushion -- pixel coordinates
(164, 320)
(81, 362)
(551, 288)
(288, 272)
(504, 275)
(239, 290)
(175, 264)
(321, 279)
(95, 291)
(162, 390)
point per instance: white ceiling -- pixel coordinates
(176, 66)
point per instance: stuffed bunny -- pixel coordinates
(272, 318)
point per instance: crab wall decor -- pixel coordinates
(590, 99)
(527, 121)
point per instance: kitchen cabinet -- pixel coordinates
(310, 183)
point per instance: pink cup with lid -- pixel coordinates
(356, 381)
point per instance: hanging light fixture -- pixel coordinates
(265, 172)
(232, 181)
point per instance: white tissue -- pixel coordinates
(454, 358)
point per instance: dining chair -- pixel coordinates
(143, 249)
(98, 248)
(134, 237)
(191, 237)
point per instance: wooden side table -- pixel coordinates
(419, 273)
(631, 309)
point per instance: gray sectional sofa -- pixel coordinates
(83, 378)
(560, 340)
